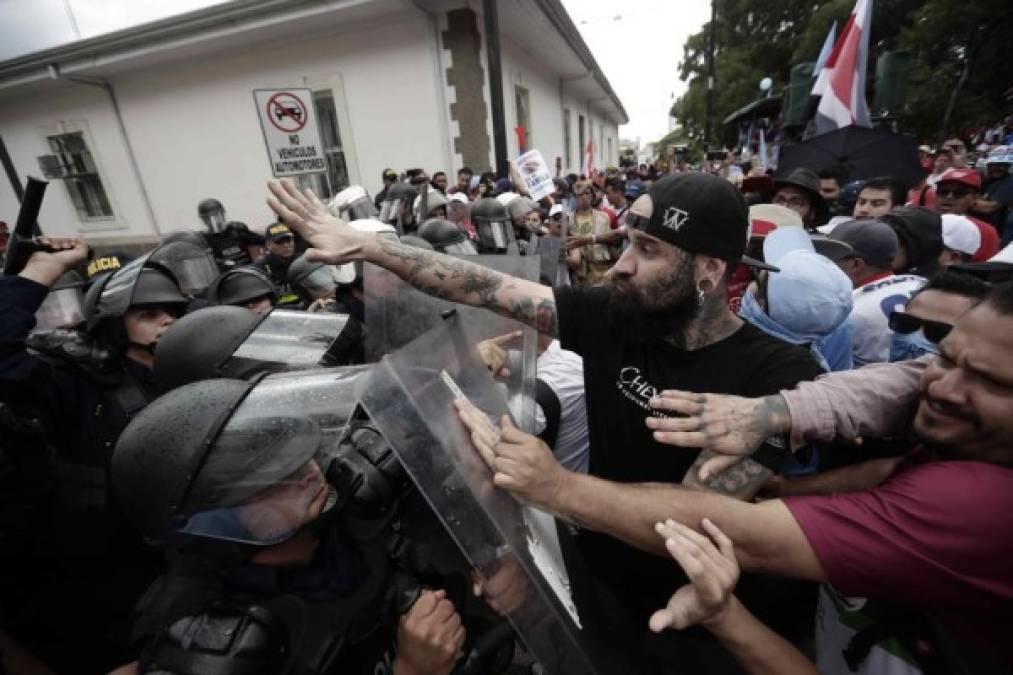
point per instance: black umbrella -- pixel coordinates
(867, 153)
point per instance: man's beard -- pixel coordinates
(662, 309)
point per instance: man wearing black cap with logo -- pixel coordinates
(799, 190)
(661, 321)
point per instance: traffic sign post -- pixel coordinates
(291, 133)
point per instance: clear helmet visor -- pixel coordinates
(266, 474)
(214, 220)
(321, 282)
(492, 236)
(457, 212)
(390, 211)
(195, 274)
(360, 208)
(463, 247)
(292, 338)
(62, 308)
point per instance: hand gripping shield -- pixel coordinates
(409, 398)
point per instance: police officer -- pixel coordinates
(245, 287)
(396, 209)
(83, 388)
(446, 237)
(224, 242)
(282, 528)
(281, 252)
(492, 226)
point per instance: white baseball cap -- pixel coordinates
(556, 208)
(960, 234)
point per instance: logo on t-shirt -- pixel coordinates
(635, 387)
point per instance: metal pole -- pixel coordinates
(490, 11)
(710, 76)
(12, 173)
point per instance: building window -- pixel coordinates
(610, 149)
(77, 168)
(336, 179)
(567, 140)
(523, 106)
(581, 142)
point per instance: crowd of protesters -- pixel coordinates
(775, 406)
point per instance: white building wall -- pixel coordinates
(546, 126)
(26, 122)
(196, 133)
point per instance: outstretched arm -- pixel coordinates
(434, 273)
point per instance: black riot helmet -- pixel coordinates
(189, 236)
(137, 284)
(397, 204)
(192, 266)
(315, 280)
(212, 213)
(446, 237)
(224, 463)
(233, 342)
(241, 286)
(492, 224)
(352, 203)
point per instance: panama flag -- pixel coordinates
(841, 83)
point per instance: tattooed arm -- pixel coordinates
(434, 273)
(742, 481)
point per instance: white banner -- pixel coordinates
(535, 172)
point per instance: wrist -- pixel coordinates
(42, 273)
(727, 620)
(402, 667)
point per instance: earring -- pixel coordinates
(701, 296)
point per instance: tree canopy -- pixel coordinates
(756, 39)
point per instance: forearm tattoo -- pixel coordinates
(450, 278)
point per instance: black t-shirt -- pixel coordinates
(620, 377)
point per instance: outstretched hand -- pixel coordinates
(493, 354)
(713, 572)
(521, 463)
(731, 426)
(333, 241)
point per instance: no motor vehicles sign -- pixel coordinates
(289, 123)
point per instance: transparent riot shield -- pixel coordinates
(551, 253)
(409, 398)
(397, 313)
(297, 339)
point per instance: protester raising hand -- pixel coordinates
(333, 241)
(709, 562)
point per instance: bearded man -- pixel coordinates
(660, 321)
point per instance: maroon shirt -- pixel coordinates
(937, 535)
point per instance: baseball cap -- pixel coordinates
(872, 240)
(968, 177)
(810, 295)
(960, 234)
(765, 218)
(458, 197)
(388, 173)
(556, 208)
(276, 231)
(701, 213)
(997, 267)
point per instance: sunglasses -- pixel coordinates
(935, 331)
(284, 240)
(952, 192)
(636, 221)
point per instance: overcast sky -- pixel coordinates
(638, 44)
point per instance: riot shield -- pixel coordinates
(297, 339)
(397, 313)
(409, 398)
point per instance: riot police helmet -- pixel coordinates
(313, 280)
(446, 237)
(64, 305)
(242, 286)
(396, 206)
(229, 462)
(192, 266)
(436, 206)
(245, 344)
(189, 236)
(135, 285)
(417, 242)
(492, 224)
(352, 203)
(212, 213)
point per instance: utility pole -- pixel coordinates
(492, 54)
(710, 77)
